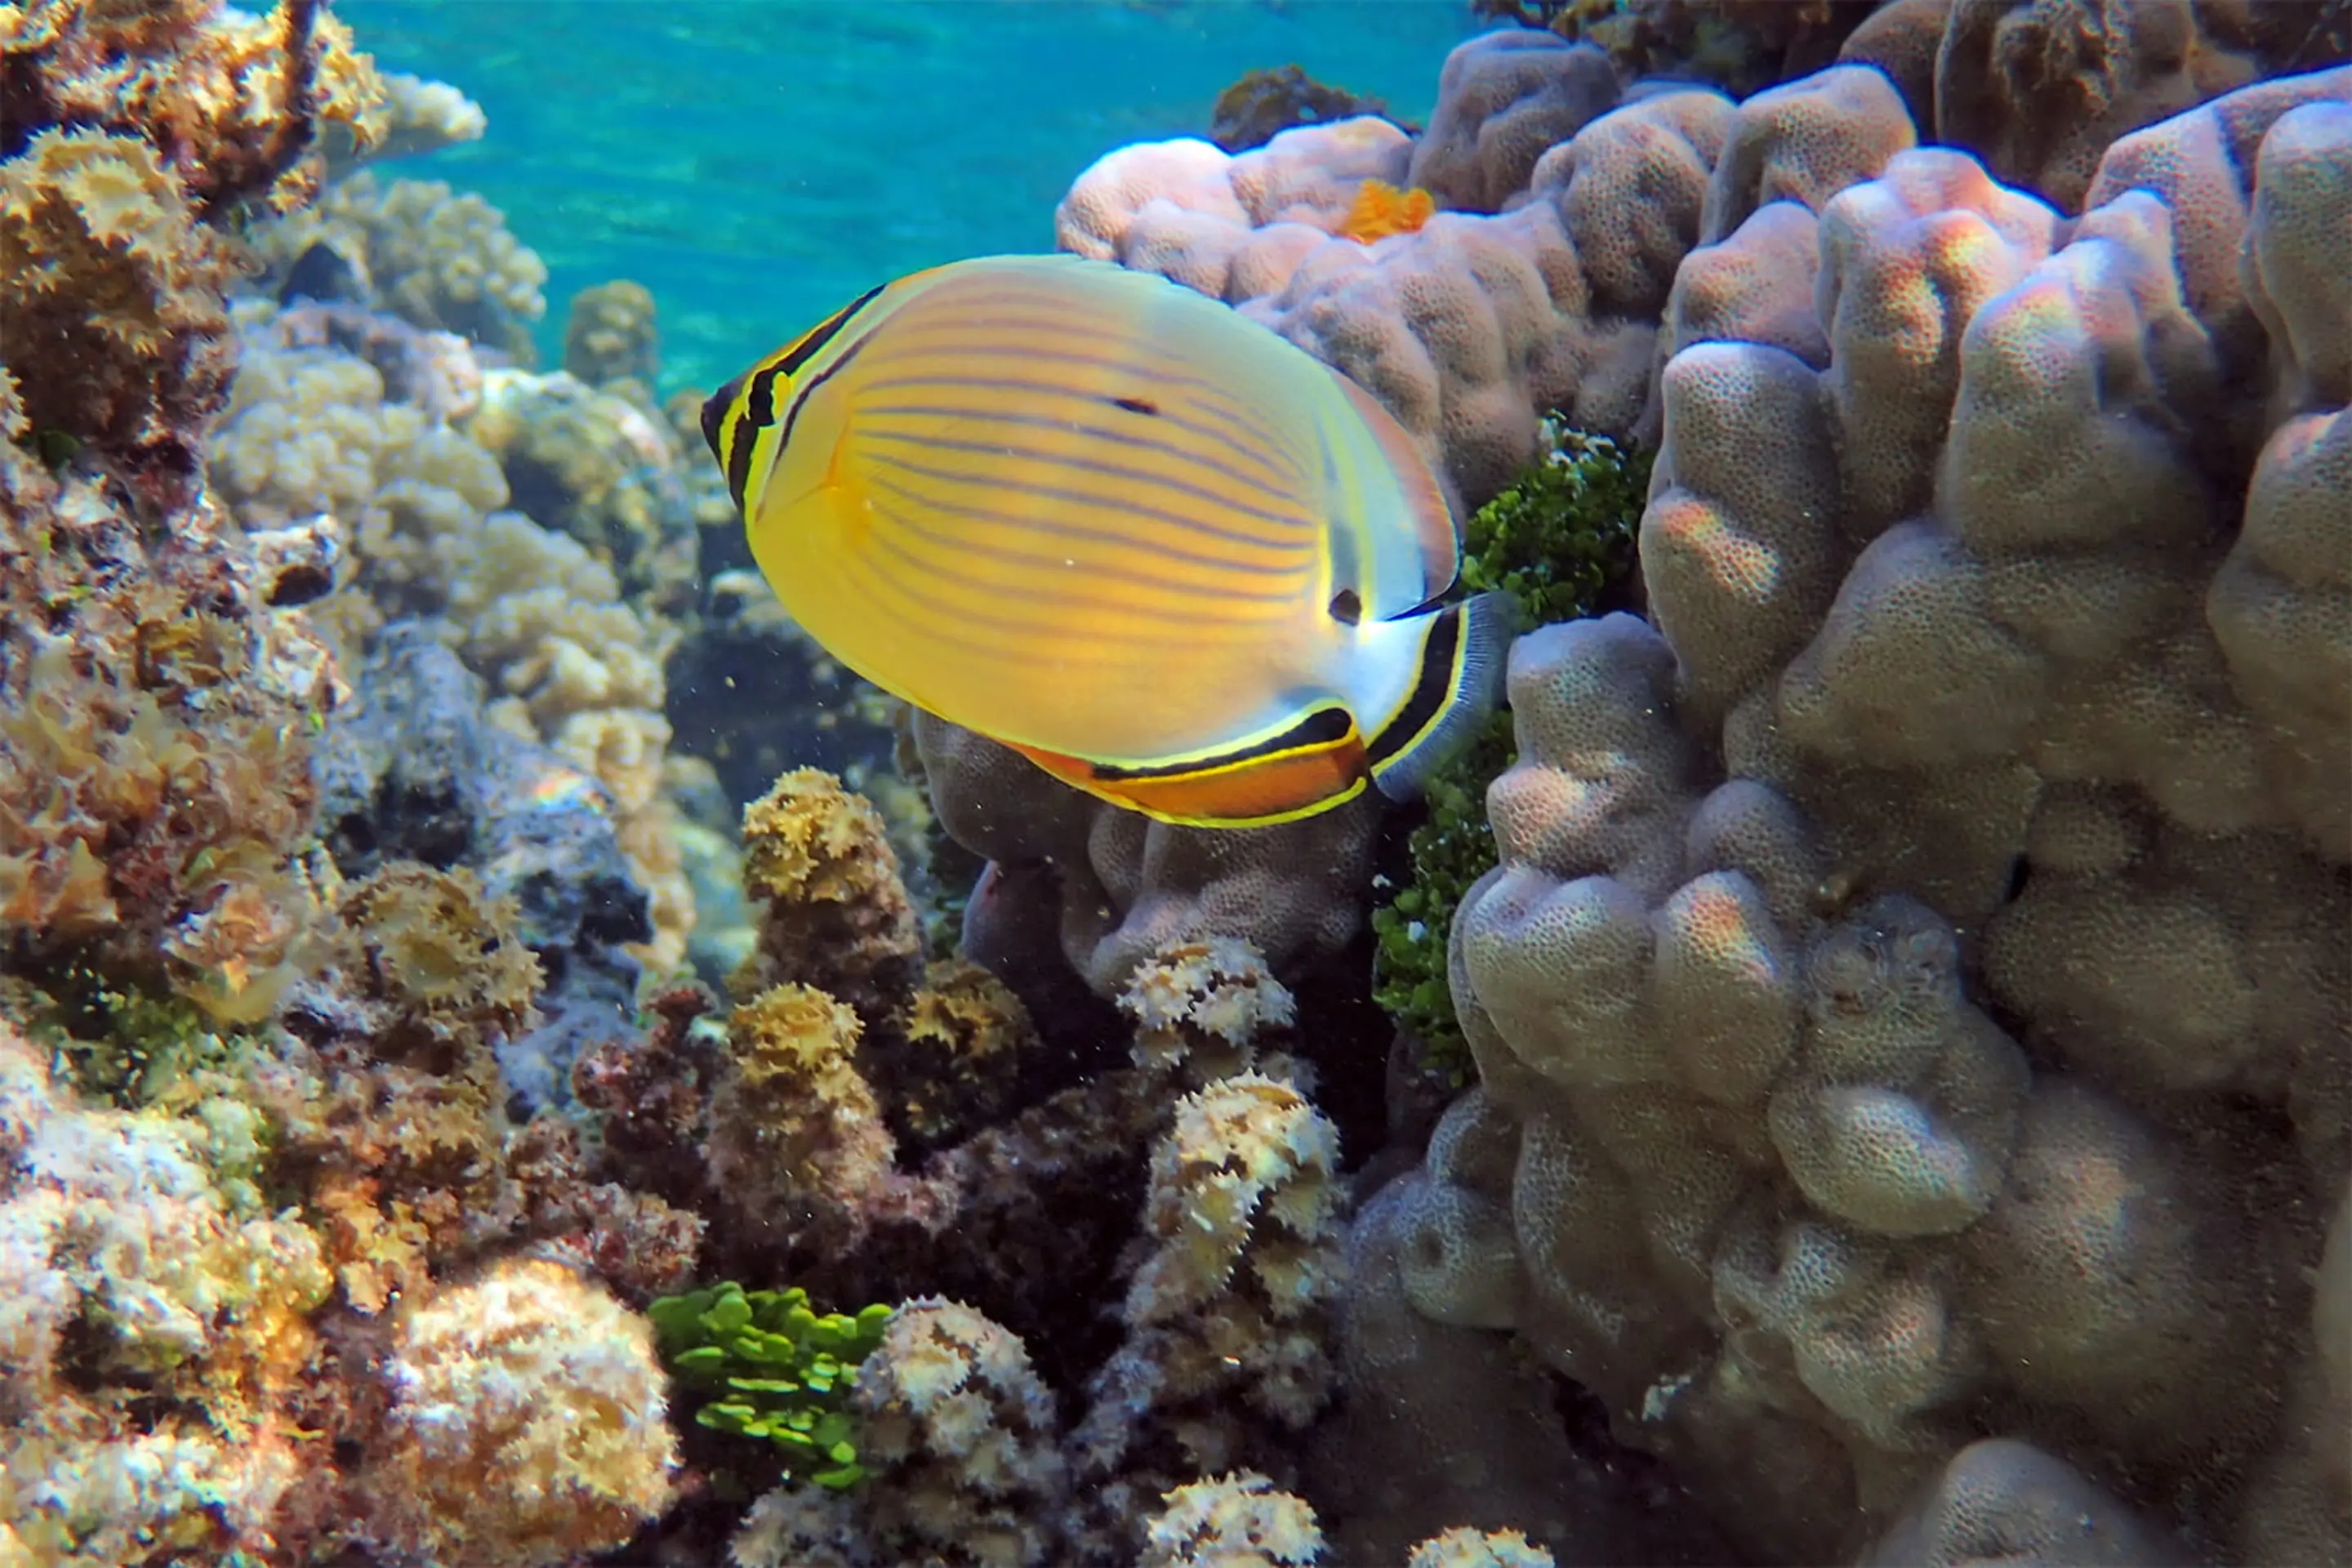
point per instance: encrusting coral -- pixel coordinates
(527, 1421)
(139, 1267)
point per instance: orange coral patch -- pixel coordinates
(1381, 210)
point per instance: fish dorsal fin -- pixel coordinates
(1436, 535)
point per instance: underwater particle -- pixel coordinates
(528, 1421)
(1232, 1522)
(1275, 617)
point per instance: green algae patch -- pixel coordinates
(775, 1371)
(1561, 542)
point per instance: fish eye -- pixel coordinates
(1345, 607)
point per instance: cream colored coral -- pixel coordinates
(960, 1434)
(1207, 1004)
(440, 258)
(1232, 1522)
(527, 1423)
(1467, 1548)
(119, 1223)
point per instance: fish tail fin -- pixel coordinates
(1458, 684)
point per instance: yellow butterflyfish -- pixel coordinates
(1167, 554)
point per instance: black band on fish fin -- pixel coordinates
(1323, 727)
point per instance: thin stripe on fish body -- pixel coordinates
(1088, 513)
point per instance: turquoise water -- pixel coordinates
(757, 163)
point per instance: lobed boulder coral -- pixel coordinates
(1934, 874)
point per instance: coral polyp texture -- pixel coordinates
(1871, 1072)
(1950, 705)
(528, 1420)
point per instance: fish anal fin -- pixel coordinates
(1317, 766)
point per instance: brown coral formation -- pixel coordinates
(153, 744)
(236, 102)
(1099, 889)
(527, 1421)
(112, 297)
(797, 1144)
(818, 862)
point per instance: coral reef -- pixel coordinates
(528, 1420)
(155, 722)
(1902, 966)
(234, 104)
(1505, 99)
(137, 1265)
(1939, 691)
(1264, 104)
(796, 1139)
(610, 334)
(1234, 228)
(439, 259)
(834, 913)
(1227, 1312)
(962, 1439)
(1236, 1521)
(347, 424)
(112, 296)
(421, 773)
(1104, 887)
(1467, 1548)
(1560, 542)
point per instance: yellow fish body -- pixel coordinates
(1170, 556)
